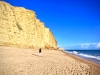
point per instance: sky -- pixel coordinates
(74, 23)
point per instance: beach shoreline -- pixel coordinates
(88, 57)
(20, 61)
(81, 58)
(91, 59)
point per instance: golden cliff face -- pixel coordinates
(20, 28)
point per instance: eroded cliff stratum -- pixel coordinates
(19, 27)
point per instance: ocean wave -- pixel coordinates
(75, 52)
(84, 55)
(90, 56)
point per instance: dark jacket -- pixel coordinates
(40, 50)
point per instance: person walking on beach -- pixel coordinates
(40, 54)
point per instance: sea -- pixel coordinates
(91, 55)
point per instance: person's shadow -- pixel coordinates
(35, 54)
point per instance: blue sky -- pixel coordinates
(73, 22)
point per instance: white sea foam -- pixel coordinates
(84, 55)
(90, 56)
(75, 52)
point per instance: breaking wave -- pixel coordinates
(84, 55)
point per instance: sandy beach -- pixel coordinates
(18, 61)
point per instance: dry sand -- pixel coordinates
(15, 61)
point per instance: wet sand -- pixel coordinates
(91, 59)
(18, 61)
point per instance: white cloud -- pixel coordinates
(86, 45)
(98, 45)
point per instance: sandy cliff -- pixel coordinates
(19, 27)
